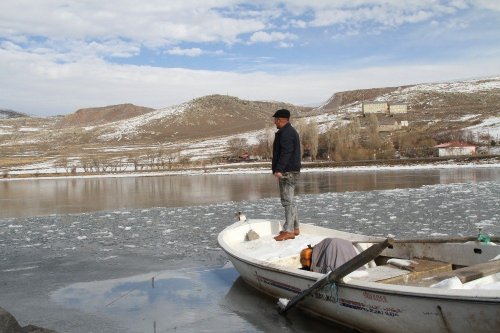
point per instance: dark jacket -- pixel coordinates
(286, 150)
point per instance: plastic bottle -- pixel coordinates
(483, 237)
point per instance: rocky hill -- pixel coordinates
(461, 105)
(7, 114)
(201, 128)
(205, 117)
(344, 98)
(102, 115)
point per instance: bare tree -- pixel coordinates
(341, 143)
(237, 146)
(134, 159)
(171, 158)
(269, 137)
(330, 141)
(414, 144)
(63, 163)
(86, 163)
(151, 158)
(260, 149)
(118, 164)
(300, 126)
(354, 128)
(373, 137)
(184, 160)
(310, 138)
(160, 158)
(100, 164)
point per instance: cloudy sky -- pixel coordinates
(57, 56)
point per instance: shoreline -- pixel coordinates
(260, 168)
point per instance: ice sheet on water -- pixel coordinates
(454, 209)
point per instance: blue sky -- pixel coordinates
(58, 56)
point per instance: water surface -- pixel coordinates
(33, 197)
(129, 255)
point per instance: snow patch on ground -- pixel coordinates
(468, 86)
(490, 126)
(132, 125)
(233, 168)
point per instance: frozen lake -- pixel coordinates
(156, 266)
(33, 197)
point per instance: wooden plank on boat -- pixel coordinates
(465, 274)
(420, 269)
(381, 274)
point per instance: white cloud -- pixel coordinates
(154, 22)
(486, 4)
(285, 45)
(267, 37)
(387, 13)
(60, 55)
(192, 52)
(161, 24)
(36, 84)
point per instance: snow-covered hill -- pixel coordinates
(202, 128)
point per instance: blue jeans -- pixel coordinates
(287, 194)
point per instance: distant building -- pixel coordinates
(455, 149)
(388, 124)
(398, 108)
(384, 107)
(375, 107)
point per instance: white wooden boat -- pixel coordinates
(379, 297)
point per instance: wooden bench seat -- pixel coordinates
(420, 268)
(381, 273)
(465, 274)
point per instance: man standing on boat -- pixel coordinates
(286, 168)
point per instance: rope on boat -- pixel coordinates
(333, 288)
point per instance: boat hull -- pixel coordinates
(375, 307)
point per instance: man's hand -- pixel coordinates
(278, 174)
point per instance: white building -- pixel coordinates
(375, 107)
(455, 149)
(398, 108)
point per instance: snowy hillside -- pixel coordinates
(470, 101)
(133, 126)
(202, 129)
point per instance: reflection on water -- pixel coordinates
(155, 302)
(184, 300)
(21, 198)
(260, 311)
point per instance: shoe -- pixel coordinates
(284, 236)
(296, 231)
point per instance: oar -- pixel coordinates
(348, 267)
